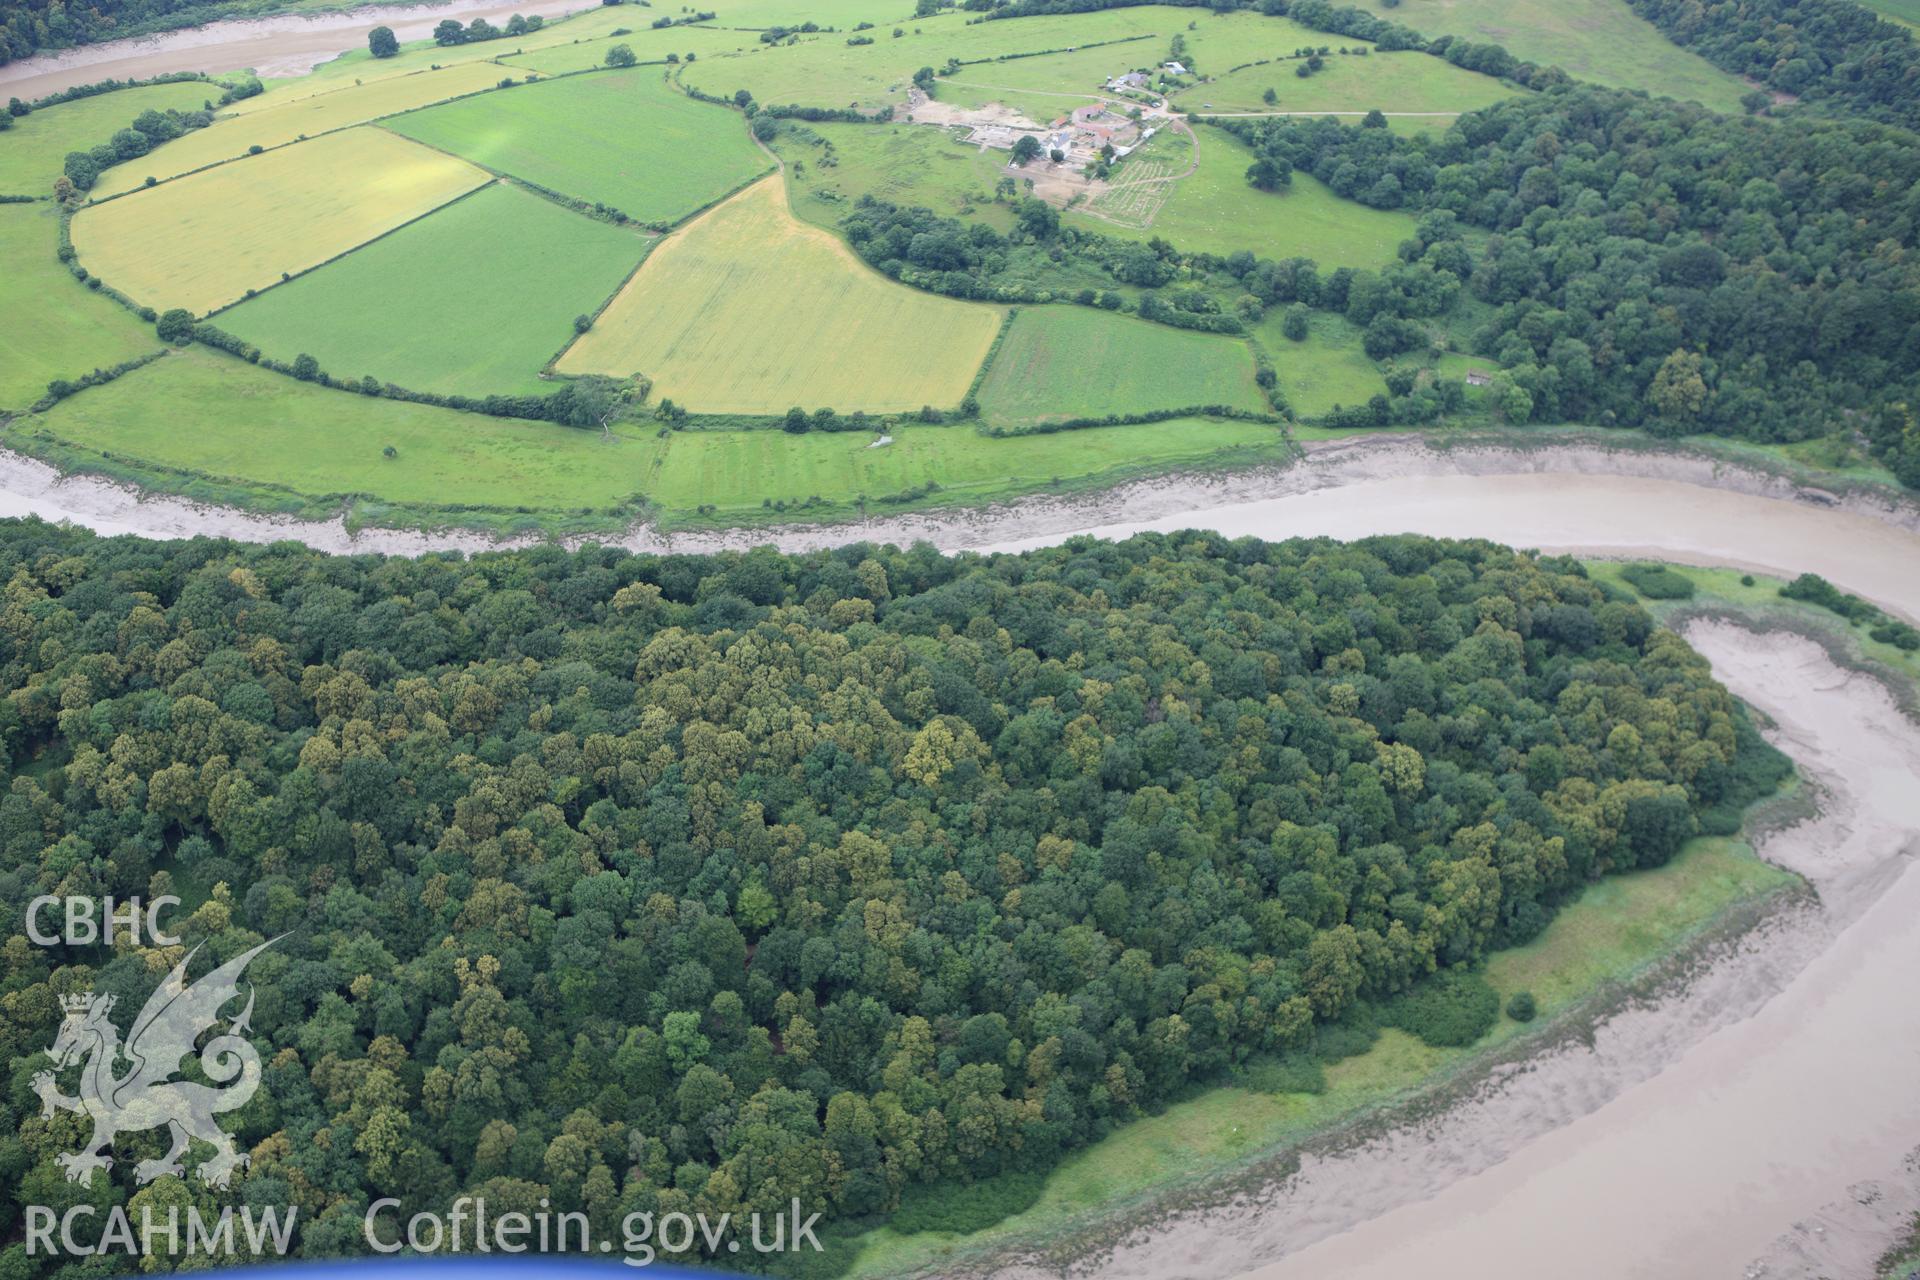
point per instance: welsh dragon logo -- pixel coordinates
(145, 1095)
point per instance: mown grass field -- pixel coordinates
(1215, 210)
(903, 163)
(1326, 370)
(1599, 40)
(1057, 363)
(1399, 81)
(825, 71)
(230, 139)
(1904, 12)
(55, 327)
(416, 307)
(648, 45)
(1612, 932)
(203, 241)
(625, 139)
(358, 66)
(31, 153)
(749, 310)
(741, 472)
(205, 412)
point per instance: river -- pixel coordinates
(287, 44)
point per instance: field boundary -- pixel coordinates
(369, 122)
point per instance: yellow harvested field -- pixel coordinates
(203, 241)
(749, 310)
(231, 138)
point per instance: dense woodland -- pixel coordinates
(1654, 264)
(1832, 53)
(669, 882)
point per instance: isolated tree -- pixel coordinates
(15, 107)
(1374, 119)
(742, 98)
(449, 32)
(621, 55)
(306, 368)
(1270, 173)
(582, 323)
(765, 127)
(1270, 97)
(175, 325)
(1294, 325)
(797, 421)
(382, 43)
(1025, 149)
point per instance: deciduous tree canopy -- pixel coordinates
(705, 882)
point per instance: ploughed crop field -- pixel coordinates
(750, 310)
(411, 308)
(31, 151)
(235, 137)
(203, 241)
(1074, 362)
(623, 139)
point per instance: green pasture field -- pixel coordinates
(55, 326)
(358, 66)
(1327, 369)
(205, 412)
(1599, 40)
(749, 310)
(32, 152)
(411, 308)
(625, 139)
(907, 164)
(1042, 107)
(1400, 81)
(1065, 362)
(1611, 933)
(1904, 12)
(648, 45)
(201, 242)
(825, 71)
(231, 139)
(1215, 210)
(738, 472)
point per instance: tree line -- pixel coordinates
(674, 882)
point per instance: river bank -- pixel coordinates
(284, 44)
(1665, 1101)
(1565, 493)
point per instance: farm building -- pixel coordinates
(1174, 68)
(1475, 378)
(1131, 80)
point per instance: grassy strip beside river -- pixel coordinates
(1615, 932)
